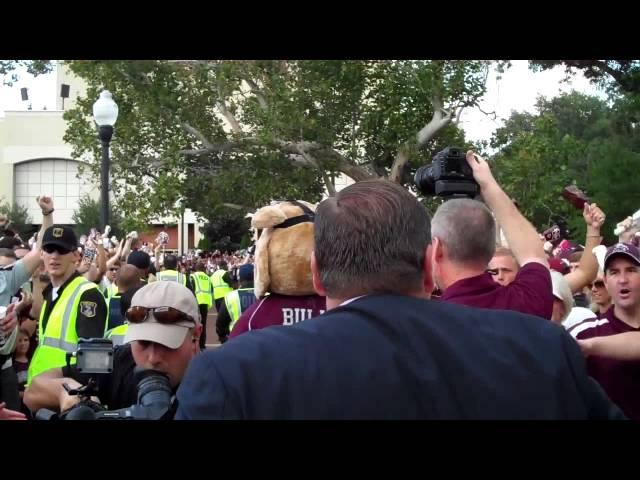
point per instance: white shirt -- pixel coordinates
(347, 302)
(577, 315)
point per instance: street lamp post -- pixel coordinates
(105, 114)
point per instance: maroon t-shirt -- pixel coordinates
(531, 292)
(275, 309)
(619, 378)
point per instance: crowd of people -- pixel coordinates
(471, 314)
(61, 288)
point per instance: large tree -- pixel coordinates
(623, 74)
(202, 134)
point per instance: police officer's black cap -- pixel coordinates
(139, 259)
(61, 236)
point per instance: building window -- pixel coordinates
(52, 177)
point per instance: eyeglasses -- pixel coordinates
(56, 248)
(114, 269)
(164, 315)
(597, 284)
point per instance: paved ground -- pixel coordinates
(212, 336)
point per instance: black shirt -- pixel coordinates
(117, 390)
(92, 310)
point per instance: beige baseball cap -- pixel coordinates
(164, 294)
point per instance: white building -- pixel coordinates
(35, 160)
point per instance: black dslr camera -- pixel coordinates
(449, 175)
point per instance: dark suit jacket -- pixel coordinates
(395, 357)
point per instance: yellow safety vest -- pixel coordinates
(220, 287)
(60, 337)
(234, 307)
(202, 284)
(117, 334)
(172, 276)
(111, 292)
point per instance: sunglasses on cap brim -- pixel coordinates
(56, 248)
(164, 315)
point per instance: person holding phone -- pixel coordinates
(11, 277)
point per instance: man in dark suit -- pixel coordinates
(383, 350)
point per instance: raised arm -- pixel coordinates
(587, 269)
(520, 234)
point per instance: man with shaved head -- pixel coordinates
(128, 277)
(127, 280)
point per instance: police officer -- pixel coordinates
(171, 273)
(236, 302)
(221, 283)
(117, 335)
(204, 294)
(73, 307)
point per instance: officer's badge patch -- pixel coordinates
(57, 232)
(88, 309)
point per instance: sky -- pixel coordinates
(517, 89)
(42, 92)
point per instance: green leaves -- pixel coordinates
(18, 216)
(203, 133)
(87, 216)
(574, 139)
(8, 69)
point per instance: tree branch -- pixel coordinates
(350, 169)
(262, 101)
(440, 119)
(235, 206)
(198, 134)
(299, 160)
(231, 119)
(213, 148)
(192, 63)
(402, 158)
(153, 161)
(331, 188)
(308, 157)
(488, 114)
(600, 65)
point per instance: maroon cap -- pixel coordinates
(625, 249)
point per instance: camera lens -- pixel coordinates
(153, 388)
(423, 180)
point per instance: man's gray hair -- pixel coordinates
(468, 230)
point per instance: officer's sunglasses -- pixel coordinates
(164, 315)
(56, 248)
